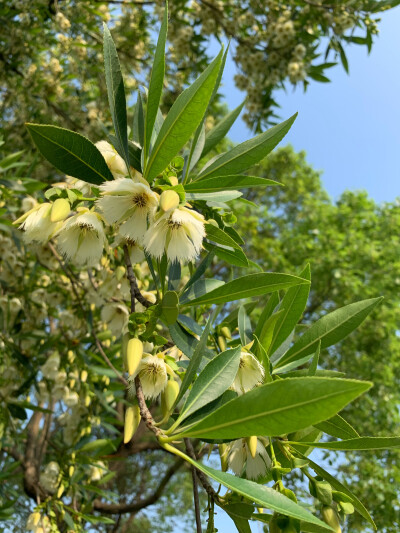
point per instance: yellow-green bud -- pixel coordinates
(226, 332)
(71, 471)
(173, 180)
(132, 421)
(84, 376)
(224, 456)
(330, 517)
(134, 352)
(119, 272)
(221, 343)
(34, 518)
(169, 200)
(60, 210)
(60, 491)
(252, 445)
(171, 392)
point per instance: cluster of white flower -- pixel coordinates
(144, 219)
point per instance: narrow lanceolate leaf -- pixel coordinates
(216, 377)
(330, 329)
(279, 407)
(314, 363)
(249, 153)
(71, 153)
(360, 444)
(156, 83)
(200, 288)
(218, 196)
(182, 120)
(116, 93)
(338, 427)
(219, 236)
(138, 122)
(195, 360)
(234, 257)
(248, 286)
(186, 342)
(293, 304)
(228, 183)
(337, 485)
(216, 135)
(260, 495)
(244, 326)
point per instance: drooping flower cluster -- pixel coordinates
(143, 219)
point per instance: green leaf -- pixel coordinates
(268, 330)
(330, 329)
(248, 286)
(199, 288)
(215, 378)
(359, 443)
(342, 488)
(195, 360)
(138, 122)
(234, 257)
(169, 307)
(249, 153)
(219, 236)
(205, 263)
(156, 83)
(216, 135)
(116, 93)
(71, 153)
(293, 304)
(314, 363)
(226, 183)
(186, 342)
(261, 495)
(182, 120)
(279, 407)
(244, 326)
(337, 427)
(219, 196)
(267, 311)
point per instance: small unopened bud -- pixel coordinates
(60, 210)
(120, 272)
(221, 343)
(252, 444)
(169, 200)
(71, 471)
(330, 517)
(132, 421)
(173, 180)
(171, 392)
(223, 453)
(60, 491)
(34, 518)
(134, 352)
(226, 332)
(84, 376)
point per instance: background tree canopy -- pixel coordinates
(51, 58)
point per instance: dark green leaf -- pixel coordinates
(182, 120)
(71, 153)
(248, 286)
(338, 427)
(226, 183)
(138, 122)
(199, 288)
(169, 307)
(216, 135)
(360, 443)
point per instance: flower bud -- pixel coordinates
(60, 491)
(119, 272)
(134, 352)
(173, 180)
(60, 210)
(223, 453)
(34, 519)
(330, 517)
(71, 471)
(170, 393)
(221, 343)
(226, 332)
(84, 376)
(132, 421)
(252, 444)
(169, 200)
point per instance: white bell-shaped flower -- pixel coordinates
(116, 317)
(241, 460)
(37, 225)
(114, 161)
(249, 375)
(82, 238)
(130, 204)
(179, 234)
(152, 372)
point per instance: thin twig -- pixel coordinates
(144, 411)
(202, 477)
(135, 291)
(195, 492)
(107, 360)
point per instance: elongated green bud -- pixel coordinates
(171, 392)
(252, 445)
(60, 210)
(132, 421)
(134, 352)
(169, 200)
(330, 517)
(221, 343)
(226, 332)
(223, 449)
(289, 494)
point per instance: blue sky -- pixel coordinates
(350, 127)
